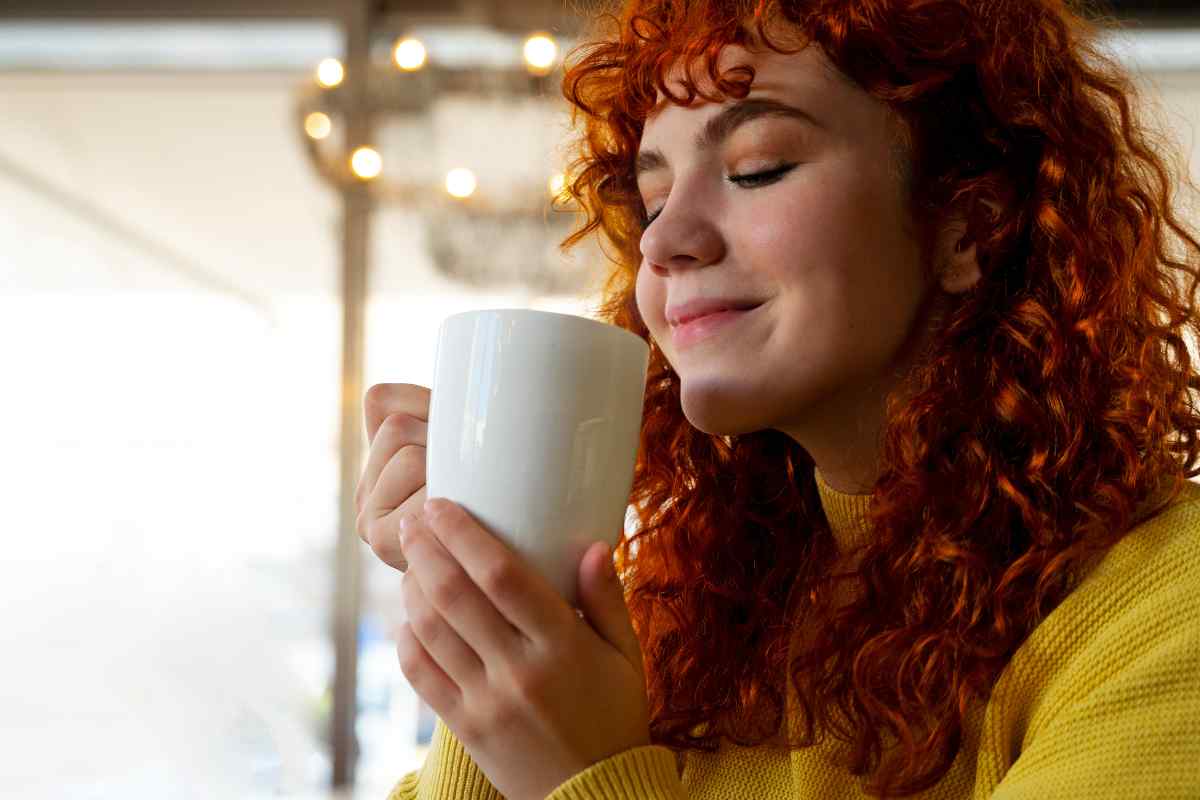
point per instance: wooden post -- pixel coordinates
(356, 229)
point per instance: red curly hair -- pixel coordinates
(1052, 404)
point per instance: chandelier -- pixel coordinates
(469, 134)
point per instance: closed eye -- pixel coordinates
(751, 180)
(756, 179)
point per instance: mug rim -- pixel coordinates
(543, 313)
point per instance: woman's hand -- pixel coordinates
(534, 692)
(393, 481)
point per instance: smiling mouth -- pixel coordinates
(707, 326)
(690, 318)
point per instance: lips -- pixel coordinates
(709, 326)
(694, 309)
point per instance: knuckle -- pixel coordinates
(410, 591)
(376, 531)
(407, 652)
(410, 665)
(501, 579)
(412, 456)
(529, 683)
(445, 594)
(415, 452)
(426, 624)
(397, 427)
(377, 396)
(386, 546)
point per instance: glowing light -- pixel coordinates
(317, 125)
(409, 54)
(558, 182)
(330, 73)
(540, 52)
(366, 163)
(460, 182)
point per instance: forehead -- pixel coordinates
(807, 73)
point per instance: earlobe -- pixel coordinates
(959, 267)
(962, 271)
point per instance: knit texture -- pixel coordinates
(1101, 701)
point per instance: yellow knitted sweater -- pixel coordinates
(1101, 701)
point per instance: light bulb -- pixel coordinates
(409, 54)
(460, 182)
(540, 52)
(330, 73)
(366, 163)
(317, 125)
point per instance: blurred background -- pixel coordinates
(222, 222)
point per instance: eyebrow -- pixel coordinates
(719, 127)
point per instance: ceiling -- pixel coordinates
(559, 16)
(520, 16)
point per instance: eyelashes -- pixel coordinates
(751, 180)
(755, 179)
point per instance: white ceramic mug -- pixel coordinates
(534, 422)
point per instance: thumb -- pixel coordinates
(602, 601)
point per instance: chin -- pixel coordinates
(722, 413)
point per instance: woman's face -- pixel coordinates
(802, 213)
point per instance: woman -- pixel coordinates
(914, 510)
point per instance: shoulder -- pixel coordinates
(1163, 548)
(1137, 612)
(1141, 578)
(1102, 700)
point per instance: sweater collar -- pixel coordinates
(847, 515)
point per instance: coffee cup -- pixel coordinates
(534, 424)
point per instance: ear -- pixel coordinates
(957, 264)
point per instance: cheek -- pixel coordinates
(798, 218)
(651, 299)
(830, 218)
(783, 237)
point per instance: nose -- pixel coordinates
(683, 235)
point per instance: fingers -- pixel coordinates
(392, 439)
(393, 479)
(460, 602)
(523, 597)
(428, 679)
(383, 399)
(382, 531)
(455, 658)
(402, 476)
